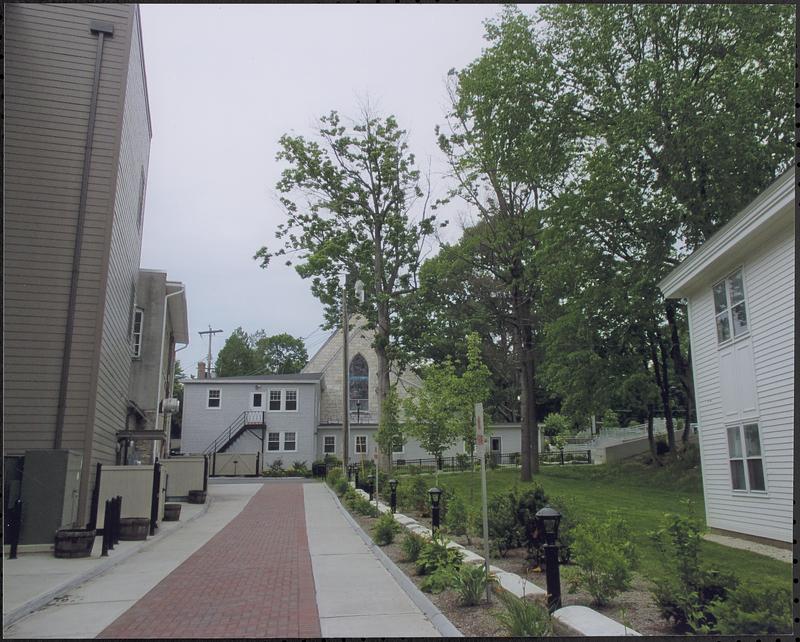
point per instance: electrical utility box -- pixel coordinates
(50, 487)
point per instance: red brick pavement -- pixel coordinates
(253, 579)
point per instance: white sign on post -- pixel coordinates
(480, 440)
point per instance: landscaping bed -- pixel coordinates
(472, 621)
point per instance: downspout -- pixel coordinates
(171, 393)
(161, 356)
(102, 29)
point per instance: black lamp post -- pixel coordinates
(549, 520)
(436, 496)
(393, 497)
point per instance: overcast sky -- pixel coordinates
(225, 82)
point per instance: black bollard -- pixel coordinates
(553, 576)
(106, 528)
(14, 525)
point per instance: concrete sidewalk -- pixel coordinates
(356, 595)
(86, 609)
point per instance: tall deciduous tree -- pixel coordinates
(508, 147)
(355, 206)
(279, 353)
(237, 358)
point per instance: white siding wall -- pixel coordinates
(769, 288)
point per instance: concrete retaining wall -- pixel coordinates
(185, 474)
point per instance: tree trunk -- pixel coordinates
(650, 435)
(662, 387)
(529, 443)
(665, 396)
(683, 368)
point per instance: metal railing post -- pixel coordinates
(106, 525)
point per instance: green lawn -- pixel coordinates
(643, 495)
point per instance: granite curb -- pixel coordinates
(45, 598)
(437, 618)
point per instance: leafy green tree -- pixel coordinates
(472, 388)
(279, 353)
(390, 428)
(685, 117)
(508, 148)
(237, 358)
(433, 413)
(355, 205)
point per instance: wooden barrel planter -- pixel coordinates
(134, 528)
(74, 542)
(197, 497)
(172, 512)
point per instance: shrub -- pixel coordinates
(527, 505)
(523, 618)
(276, 467)
(569, 520)
(362, 506)
(300, 467)
(474, 524)
(411, 546)
(385, 529)
(605, 556)
(439, 580)
(413, 496)
(470, 583)
(754, 612)
(610, 419)
(436, 555)
(503, 527)
(456, 516)
(555, 424)
(334, 474)
(331, 460)
(463, 461)
(340, 486)
(687, 591)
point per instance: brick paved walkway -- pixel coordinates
(253, 580)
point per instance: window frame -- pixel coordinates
(355, 445)
(745, 458)
(253, 394)
(728, 311)
(208, 398)
(136, 337)
(282, 392)
(402, 450)
(324, 445)
(281, 441)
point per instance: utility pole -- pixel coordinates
(345, 382)
(210, 334)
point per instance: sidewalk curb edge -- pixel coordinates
(428, 608)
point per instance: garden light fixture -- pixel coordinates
(548, 520)
(393, 498)
(436, 496)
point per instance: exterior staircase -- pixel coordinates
(252, 421)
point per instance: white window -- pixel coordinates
(744, 452)
(730, 309)
(329, 444)
(136, 333)
(291, 399)
(361, 444)
(274, 399)
(286, 439)
(214, 398)
(257, 401)
(283, 400)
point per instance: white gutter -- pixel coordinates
(182, 290)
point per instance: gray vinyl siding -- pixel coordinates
(49, 67)
(200, 426)
(123, 263)
(769, 289)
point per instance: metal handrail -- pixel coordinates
(247, 418)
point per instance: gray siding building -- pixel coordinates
(77, 143)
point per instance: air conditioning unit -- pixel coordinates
(170, 406)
